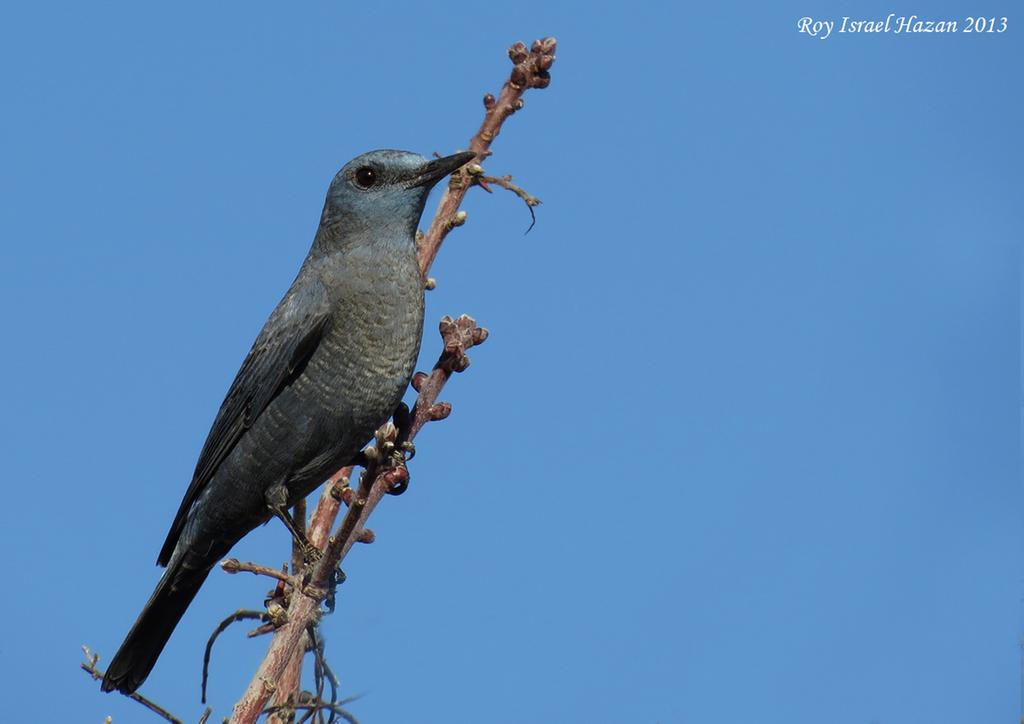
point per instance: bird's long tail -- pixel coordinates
(143, 644)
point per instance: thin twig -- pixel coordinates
(233, 565)
(530, 70)
(335, 708)
(261, 630)
(334, 684)
(318, 669)
(239, 615)
(90, 667)
(506, 183)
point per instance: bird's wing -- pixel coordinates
(284, 345)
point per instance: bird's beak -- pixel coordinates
(433, 171)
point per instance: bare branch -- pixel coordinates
(90, 667)
(335, 708)
(478, 177)
(530, 70)
(239, 615)
(233, 565)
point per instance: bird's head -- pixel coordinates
(385, 191)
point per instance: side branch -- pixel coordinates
(90, 666)
(530, 70)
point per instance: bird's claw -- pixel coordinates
(311, 554)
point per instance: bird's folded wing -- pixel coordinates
(288, 339)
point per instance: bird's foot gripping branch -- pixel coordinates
(385, 472)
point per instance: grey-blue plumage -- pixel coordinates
(328, 368)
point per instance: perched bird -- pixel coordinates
(328, 368)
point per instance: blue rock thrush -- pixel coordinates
(328, 368)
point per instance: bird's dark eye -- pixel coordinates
(366, 177)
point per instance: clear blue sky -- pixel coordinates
(743, 444)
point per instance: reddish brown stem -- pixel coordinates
(288, 688)
(530, 70)
(233, 565)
